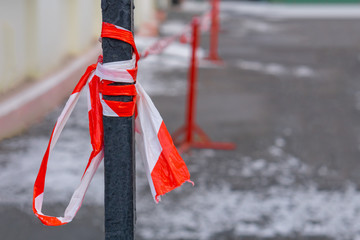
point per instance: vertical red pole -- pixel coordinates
(214, 32)
(191, 129)
(191, 102)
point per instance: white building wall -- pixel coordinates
(51, 29)
(37, 36)
(12, 43)
(144, 12)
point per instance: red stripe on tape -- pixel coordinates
(170, 170)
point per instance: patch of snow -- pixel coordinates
(258, 165)
(276, 212)
(258, 26)
(172, 27)
(280, 142)
(303, 72)
(294, 162)
(250, 65)
(275, 151)
(204, 210)
(208, 153)
(65, 167)
(290, 11)
(148, 76)
(182, 50)
(144, 42)
(246, 172)
(276, 69)
(195, 6)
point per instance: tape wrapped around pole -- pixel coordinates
(165, 169)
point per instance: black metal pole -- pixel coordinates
(118, 136)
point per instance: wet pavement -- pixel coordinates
(288, 95)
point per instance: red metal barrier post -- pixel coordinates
(192, 81)
(194, 136)
(214, 32)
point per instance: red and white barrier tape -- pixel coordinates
(184, 36)
(165, 169)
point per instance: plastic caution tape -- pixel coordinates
(159, 46)
(165, 169)
(205, 22)
(184, 36)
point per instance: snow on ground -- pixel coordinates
(258, 26)
(284, 209)
(273, 10)
(195, 6)
(275, 212)
(65, 167)
(172, 27)
(276, 10)
(276, 69)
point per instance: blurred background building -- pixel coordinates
(38, 36)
